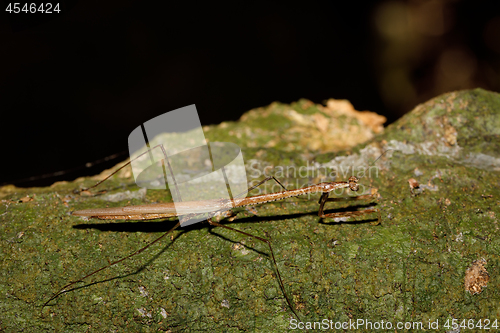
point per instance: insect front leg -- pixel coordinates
(324, 199)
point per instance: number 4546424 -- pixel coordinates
(485, 324)
(46, 8)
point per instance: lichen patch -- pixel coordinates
(476, 277)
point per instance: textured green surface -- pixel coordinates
(409, 268)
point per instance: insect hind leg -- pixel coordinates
(282, 287)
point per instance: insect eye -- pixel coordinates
(353, 183)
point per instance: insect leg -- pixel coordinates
(63, 289)
(272, 254)
(324, 198)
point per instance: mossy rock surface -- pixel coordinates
(409, 268)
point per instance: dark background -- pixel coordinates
(74, 84)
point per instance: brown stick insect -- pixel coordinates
(221, 209)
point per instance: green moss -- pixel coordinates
(408, 268)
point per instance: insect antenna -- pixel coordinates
(56, 174)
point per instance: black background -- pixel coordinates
(74, 84)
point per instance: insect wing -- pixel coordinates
(178, 158)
